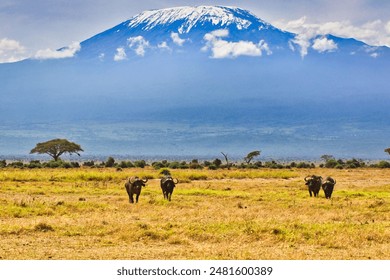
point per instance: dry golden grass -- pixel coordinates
(256, 214)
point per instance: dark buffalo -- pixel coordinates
(133, 187)
(167, 185)
(314, 184)
(328, 186)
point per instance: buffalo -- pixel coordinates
(133, 187)
(328, 186)
(314, 184)
(167, 185)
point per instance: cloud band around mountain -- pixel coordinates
(66, 52)
(11, 51)
(221, 48)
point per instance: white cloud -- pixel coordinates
(220, 33)
(120, 54)
(372, 51)
(324, 45)
(303, 41)
(376, 32)
(177, 40)
(387, 28)
(264, 47)
(66, 52)
(223, 49)
(138, 44)
(11, 51)
(374, 55)
(164, 46)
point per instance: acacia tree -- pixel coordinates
(387, 151)
(251, 156)
(57, 147)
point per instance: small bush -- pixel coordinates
(43, 227)
(66, 165)
(158, 165)
(212, 167)
(165, 172)
(194, 177)
(331, 163)
(110, 162)
(34, 164)
(89, 163)
(53, 164)
(383, 164)
(16, 164)
(174, 165)
(140, 163)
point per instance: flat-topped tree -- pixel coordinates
(57, 147)
(387, 151)
(251, 156)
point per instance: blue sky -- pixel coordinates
(29, 27)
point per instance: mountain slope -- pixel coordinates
(219, 32)
(198, 80)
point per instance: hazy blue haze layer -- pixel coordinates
(179, 100)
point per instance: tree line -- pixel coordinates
(57, 147)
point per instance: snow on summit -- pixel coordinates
(191, 16)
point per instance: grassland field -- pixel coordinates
(84, 213)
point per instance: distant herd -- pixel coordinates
(134, 185)
(314, 183)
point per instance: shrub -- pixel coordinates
(16, 164)
(165, 172)
(194, 177)
(158, 165)
(212, 167)
(66, 165)
(75, 164)
(354, 163)
(34, 164)
(53, 164)
(140, 163)
(110, 162)
(195, 164)
(339, 166)
(43, 227)
(3, 163)
(383, 164)
(184, 165)
(217, 162)
(174, 165)
(303, 165)
(331, 163)
(89, 163)
(273, 164)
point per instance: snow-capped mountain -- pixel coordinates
(200, 80)
(192, 17)
(184, 29)
(219, 32)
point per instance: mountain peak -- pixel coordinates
(187, 17)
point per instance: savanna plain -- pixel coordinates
(84, 213)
